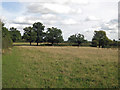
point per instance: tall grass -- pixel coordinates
(60, 67)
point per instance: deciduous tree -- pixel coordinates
(29, 34)
(54, 35)
(77, 38)
(15, 34)
(100, 38)
(39, 28)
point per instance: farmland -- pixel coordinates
(60, 67)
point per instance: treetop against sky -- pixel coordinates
(71, 16)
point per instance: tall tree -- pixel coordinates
(15, 34)
(54, 35)
(100, 38)
(77, 38)
(29, 34)
(39, 28)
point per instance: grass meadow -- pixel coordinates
(59, 67)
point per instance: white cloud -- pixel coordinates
(111, 25)
(107, 26)
(37, 8)
(3, 18)
(111, 29)
(79, 1)
(26, 20)
(48, 16)
(56, 8)
(68, 15)
(92, 18)
(69, 21)
(58, 1)
(48, 19)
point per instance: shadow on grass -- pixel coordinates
(43, 45)
(23, 45)
(55, 44)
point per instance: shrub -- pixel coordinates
(6, 40)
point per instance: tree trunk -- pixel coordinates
(30, 43)
(37, 43)
(99, 45)
(52, 43)
(102, 46)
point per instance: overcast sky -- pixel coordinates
(71, 16)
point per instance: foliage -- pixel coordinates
(54, 35)
(94, 43)
(15, 34)
(38, 28)
(77, 38)
(72, 39)
(29, 34)
(114, 43)
(6, 40)
(100, 39)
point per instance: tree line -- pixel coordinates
(37, 34)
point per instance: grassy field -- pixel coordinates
(60, 67)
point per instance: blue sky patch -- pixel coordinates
(11, 6)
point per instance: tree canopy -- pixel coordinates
(15, 34)
(100, 39)
(38, 28)
(54, 35)
(77, 38)
(29, 34)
